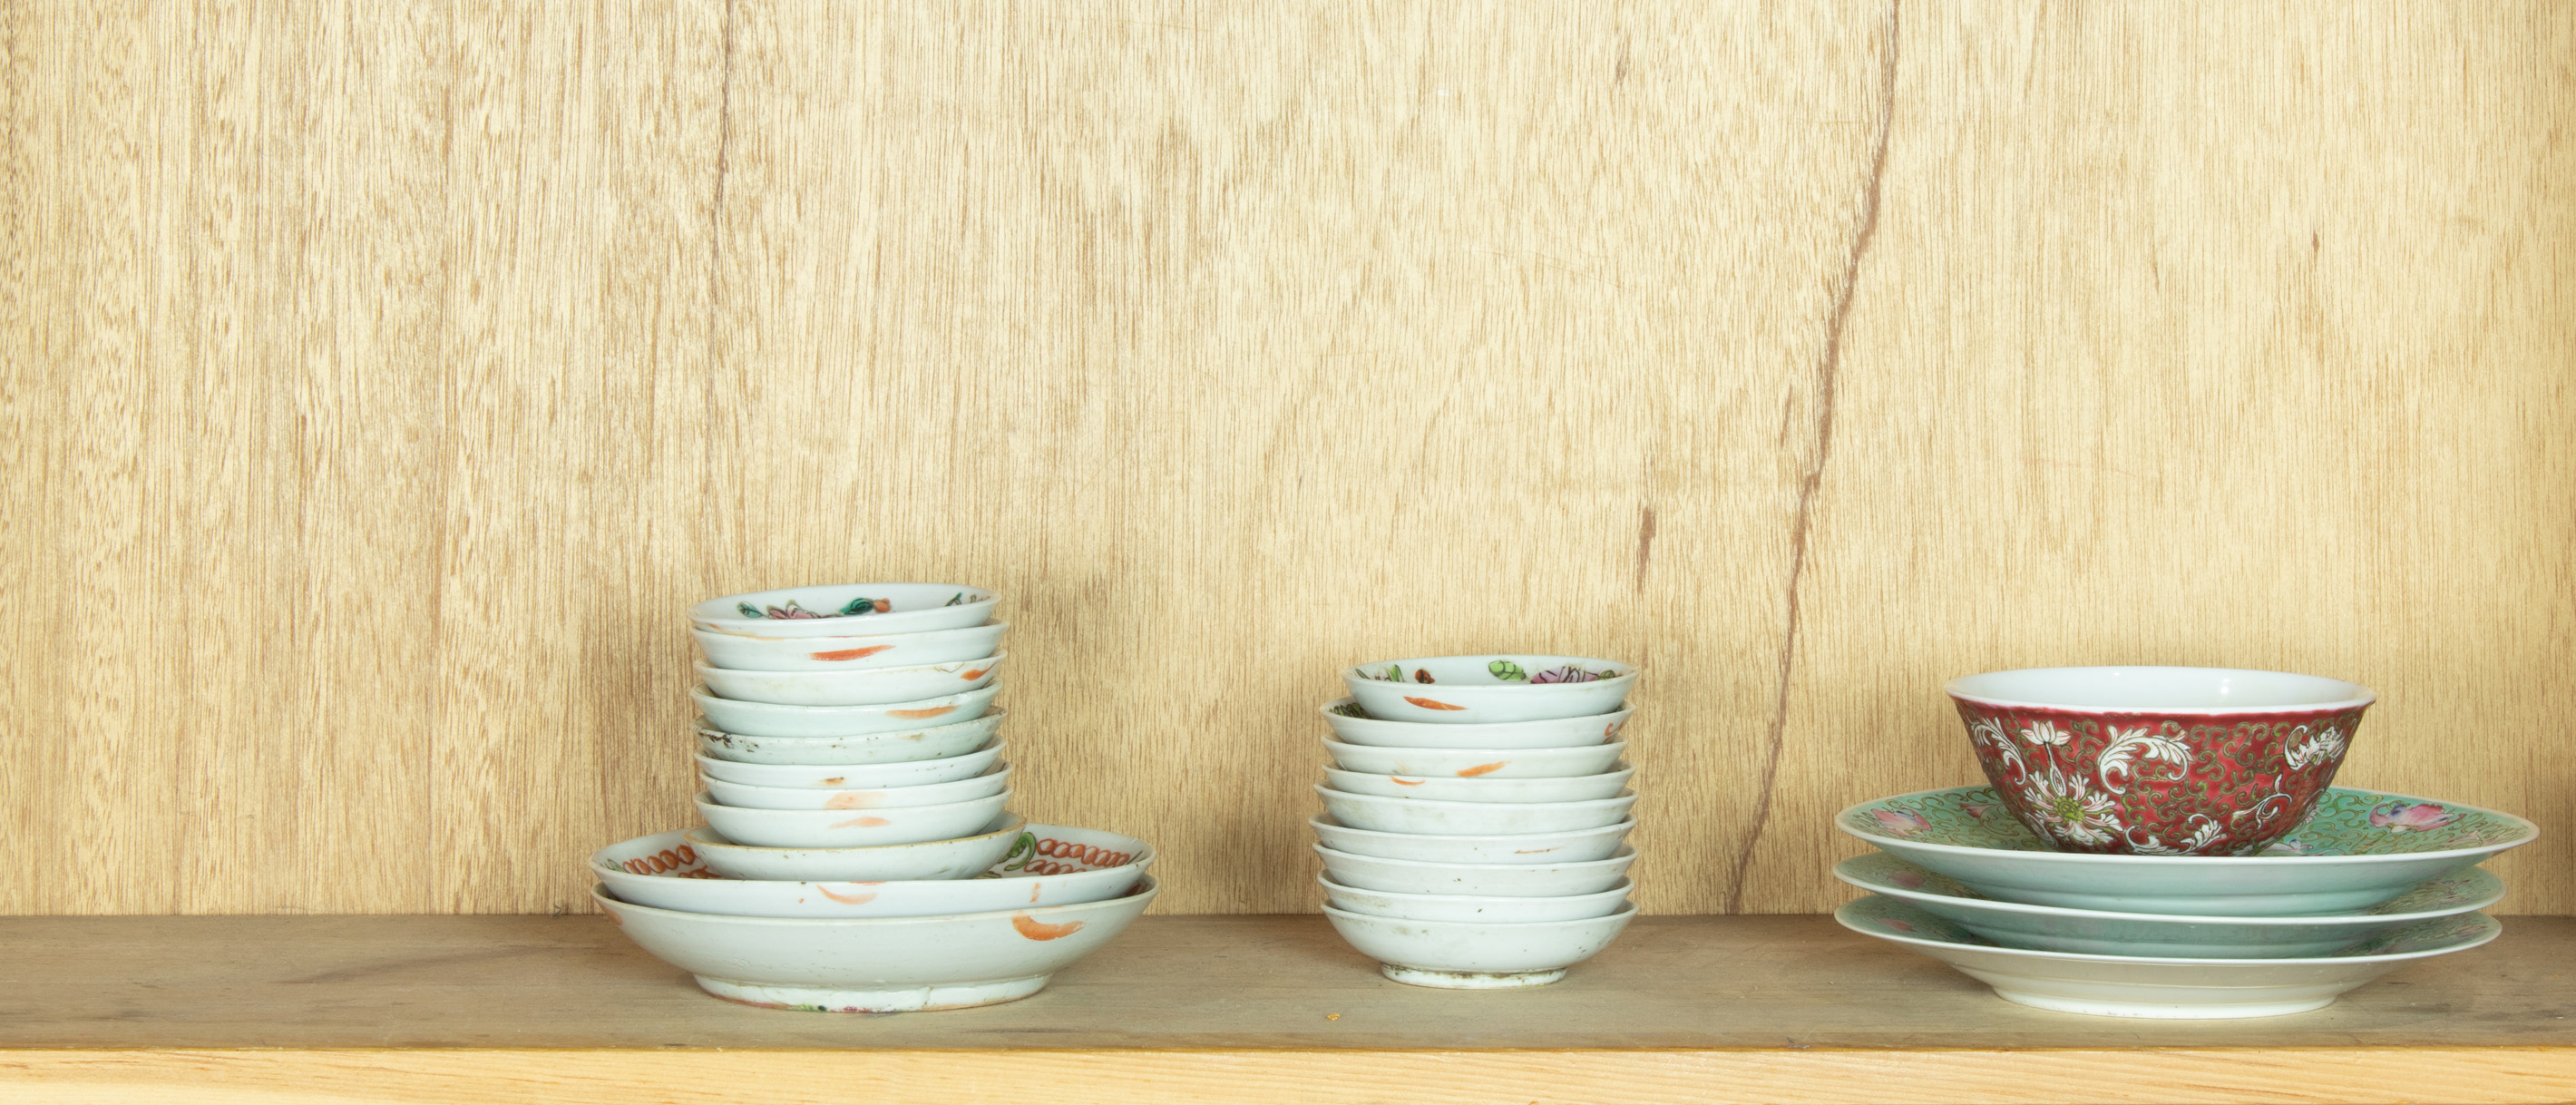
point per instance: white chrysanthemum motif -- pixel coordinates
(2068, 809)
(2131, 748)
(1988, 732)
(2322, 747)
(2044, 731)
(2203, 831)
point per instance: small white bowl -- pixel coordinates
(1574, 846)
(1450, 788)
(1476, 907)
(1048, 865)
(1415, 815)
(1467, 690)
(1477, 955)
(1476, 763)
(938, 742)
(877, 964)
(740, 796)
(768, 719)
(852, 776)
(894, 608)
(1354, 725)
(868, 687)
(962, 858)
(850, 828)
(1508, 880)
(889, 650)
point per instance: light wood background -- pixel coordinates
(382, 380)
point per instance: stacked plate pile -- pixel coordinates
(1476, 808)
(2164, 842)
(858, 855)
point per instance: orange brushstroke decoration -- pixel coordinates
(1479, 769)
(851, 653)
(861, 823)
(1429, 704)
(847, 899)
(853, 800)
(1036, 929)
(933, 711)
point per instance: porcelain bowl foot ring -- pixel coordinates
(890, 999)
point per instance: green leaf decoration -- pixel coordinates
(748, 610)
(859, 606)
(1022, 851)
(958, 599)
(1507, 670)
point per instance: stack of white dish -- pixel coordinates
(858, 855)
(1475, 812)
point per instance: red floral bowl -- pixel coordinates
(2159, 761)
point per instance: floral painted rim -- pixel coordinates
(1146, 887)
(943, 667)
(1375, 671)
(2491, 890)
(1027, 850)
(2529, 833)
(2367, 697)
(1850, 917)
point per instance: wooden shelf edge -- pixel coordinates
(1136, 1077)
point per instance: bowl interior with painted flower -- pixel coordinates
(2357, 849)
(2157, 760)
(845, 609)
(1472, 690)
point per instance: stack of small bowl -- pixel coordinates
(1475, 812)
(2166, 842)
(859, 857)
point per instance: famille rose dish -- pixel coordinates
(905, 773)
(1466, 690)
(961, 858)
(1477, 955)
(1046, 865)
(1416, 815)
(890, 650)
(2159, 761)
(902, 746)
(1506, 880)
(742, 796)
(2093, 932)
(2357, 850)
(850, 828)
(868, 687)
(1566, 846)
(845, 609)
(1476, 907)
(1353, 725)
(1451, 788)
(2138, 986)
(1476, 763)
(877, 964)
(769, 719)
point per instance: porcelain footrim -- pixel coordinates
(1469, 980)
(890, 999)
(2098, 1008)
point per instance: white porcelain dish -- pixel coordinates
(2356, 850)
(769, 719)
(1510, 880)
(1047, 865)
(2094, 932)
(2136, 986)
(818, 611)
(1415, 815)
(889, 650)
(1476, 763)
(850, 828)
(1450, 788)
(1570, 846)
(910, 773)
(740, 796)
(1353, 725)
(935, 743)
(877, 964)
(962, 858)
(1468, 690)
(1477, 955)
(871, 686)
(1475, 907)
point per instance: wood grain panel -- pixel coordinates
(381, 382)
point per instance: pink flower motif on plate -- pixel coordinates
(1901, 822)
(1900, 926)
(2410, 817)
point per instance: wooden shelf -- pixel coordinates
(533, 1009)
